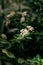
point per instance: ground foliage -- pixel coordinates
(21, 32)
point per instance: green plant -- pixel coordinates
(21, 33)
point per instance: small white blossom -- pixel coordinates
(11, 14)
(22, 19)
(24, 32)
(30, 28)
(24, 13)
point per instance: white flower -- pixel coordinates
(22, 19)
(24, 13)
(11, 14)
(24, 32)
(30, 28)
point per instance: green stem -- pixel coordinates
(2, 18)
(2, 4)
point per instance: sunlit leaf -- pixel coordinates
(20, 60)
(9, 54)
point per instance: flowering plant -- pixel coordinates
(21, 32)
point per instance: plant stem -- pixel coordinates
(2, 18)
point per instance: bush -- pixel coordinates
(21, 33)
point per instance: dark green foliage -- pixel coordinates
(16, 47)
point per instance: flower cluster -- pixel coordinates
(26, 31)
(30, 28)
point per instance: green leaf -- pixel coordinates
(21, 60)
(29, 38)
(9, 54)
(8, 63)
(0, 63)
(41, 47)
(38, 38)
